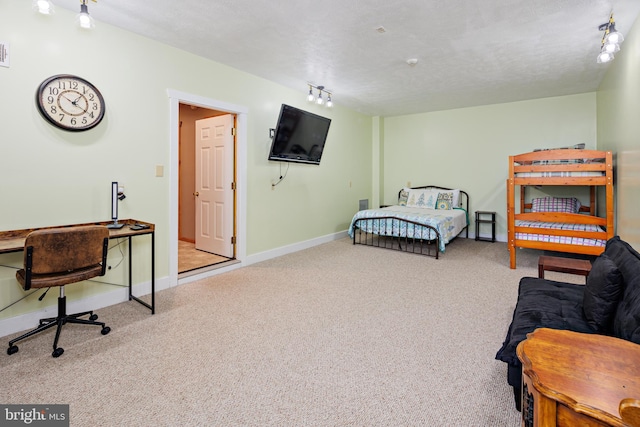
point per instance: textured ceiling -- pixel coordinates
(469, 52)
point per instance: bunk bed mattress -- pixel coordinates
(553, 174)
(448, 222)
(580, 241)
(559, 173)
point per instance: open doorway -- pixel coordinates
(206, 198)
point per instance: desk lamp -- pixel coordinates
(115, 196)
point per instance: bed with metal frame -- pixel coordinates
(412, 229)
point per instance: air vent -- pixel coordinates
(4, 54)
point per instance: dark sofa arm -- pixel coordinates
(541, 303)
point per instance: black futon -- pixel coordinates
(609, 304)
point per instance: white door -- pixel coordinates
(214, 180)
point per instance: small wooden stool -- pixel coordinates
(580, 267)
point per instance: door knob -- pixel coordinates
(195, 193)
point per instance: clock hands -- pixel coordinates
(72, 102)
(75, 102)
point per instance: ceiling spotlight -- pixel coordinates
(84, 19)
(44, 6)
(611, 47)
(319, 99)
(604, 57)
(310, 97)
(614, 36)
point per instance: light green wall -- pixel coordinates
(52, 177)
(468, 148)
(618, 106)
(311, 201)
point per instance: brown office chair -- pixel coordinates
(58, 257)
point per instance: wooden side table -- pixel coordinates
(571, 379)
(580, 267)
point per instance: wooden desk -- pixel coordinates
(571, 379)
(13, 241)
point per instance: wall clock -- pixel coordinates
(70, 102)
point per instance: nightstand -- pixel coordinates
(577, 379)
(486, 217)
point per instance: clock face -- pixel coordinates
(70, 102)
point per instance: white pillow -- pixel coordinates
(422, 198)
(402, 198)
(456, 197)
(555, 204)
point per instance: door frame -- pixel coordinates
(241, 112)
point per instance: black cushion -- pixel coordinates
(601, 294)
(543, 303)
(626, 323)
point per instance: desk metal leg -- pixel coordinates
(153, 273)
(130, 269)
(152, 307)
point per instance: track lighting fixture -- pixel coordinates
(319, 99)
(610, 41)
(83, 19)
(44, 6)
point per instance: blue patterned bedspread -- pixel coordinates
(449, 223)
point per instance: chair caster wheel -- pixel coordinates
(93, 317)
(12, 350)
(105, 330)
(58, 352)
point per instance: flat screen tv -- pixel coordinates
(299, 136)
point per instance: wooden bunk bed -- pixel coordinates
(553, 228)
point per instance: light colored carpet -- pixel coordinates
(336, 335)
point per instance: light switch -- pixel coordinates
(159, 170)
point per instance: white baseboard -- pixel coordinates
(27, 321)
(263, 256)
(499, 237)
(284, 250)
